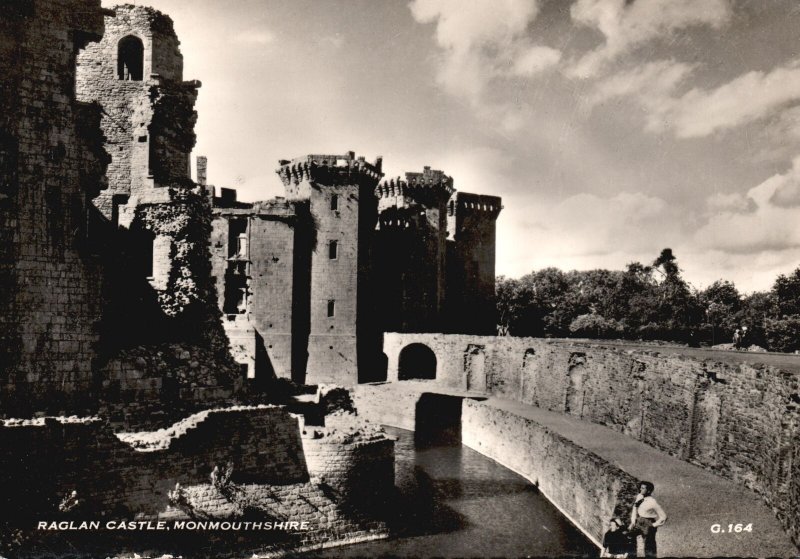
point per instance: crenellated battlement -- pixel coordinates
(429, 188)
(330, 170)
(474, 204)
(398, 219)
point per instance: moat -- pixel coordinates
(455, 502)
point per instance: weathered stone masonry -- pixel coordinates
(739, 421)
(331, 477)
(148, 113)
(51, 165)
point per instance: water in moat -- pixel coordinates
(455, 502)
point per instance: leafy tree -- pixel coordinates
(786, 291)
(595, 326)
(755, 310)
(721, 302)
(783, 334)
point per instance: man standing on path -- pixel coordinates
(646, 516)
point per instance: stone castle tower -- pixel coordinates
(410, 251)
(136, 73)
(339, 193)
(471, 238)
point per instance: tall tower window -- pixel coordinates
(334, 202)
(331, 309)
(130, 59)
(333, 250)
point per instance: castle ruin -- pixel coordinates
(307, 282)
(146, 321)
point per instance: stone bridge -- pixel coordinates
(584, 420)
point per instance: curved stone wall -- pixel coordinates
(730, 414)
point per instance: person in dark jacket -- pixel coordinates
(616, 541)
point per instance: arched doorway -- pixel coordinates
(130, 59)
(417, 361)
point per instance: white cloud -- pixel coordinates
(651, 84)
(734, 202)
(255, 37)
(772, 226)
(484, 40)
(626, 24)
(587, 224)
(535, 59)
(747, 98)
(701, 112)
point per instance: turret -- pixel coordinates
(136, 73)
(471, 228)
(338, 192)
(411, 249)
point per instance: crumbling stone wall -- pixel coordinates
(151, 387)
(265, 444)
(256, 289)
(737, 419)
(149, 121)
(51, 164)
(278, 469)
(357, 465)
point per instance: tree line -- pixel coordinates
(648, 302)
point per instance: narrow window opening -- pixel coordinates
(334, 202)
(236, 228)
(130, 59)
(8, 165)
(333, 250)
(331, 309)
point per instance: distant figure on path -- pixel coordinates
(745, 339)
(617, 542)
(646, 516)
(737, 339)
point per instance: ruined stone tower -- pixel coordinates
(410, 251)
(51, 165)
(338, 191)
(136, 74)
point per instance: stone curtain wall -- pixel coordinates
(586, 488)
(51, 162)
(738, 420)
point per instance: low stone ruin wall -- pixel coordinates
(736, 418)
(130, 476)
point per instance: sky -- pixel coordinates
(611, 128)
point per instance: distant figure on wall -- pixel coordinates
(737, 339)
(646, 516)
(617, 542)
